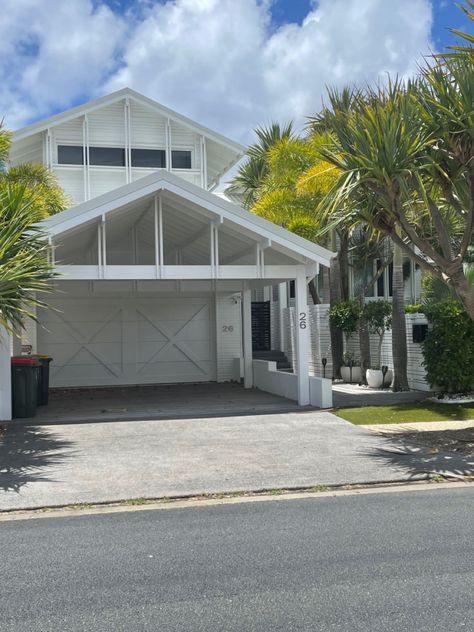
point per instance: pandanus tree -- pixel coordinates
(409, 149)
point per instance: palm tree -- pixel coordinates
(363, 146)
(465, 48)
(41, 184)
(289, 195)
(28, 193)
(252, 173)
(25, 268)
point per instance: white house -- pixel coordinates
(157, 271)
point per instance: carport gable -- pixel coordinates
(162, 227)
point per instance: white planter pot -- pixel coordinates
(375, 378)
(346, 374)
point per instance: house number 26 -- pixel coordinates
(302, 320)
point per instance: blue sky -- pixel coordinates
(445, 15)
(229, 64)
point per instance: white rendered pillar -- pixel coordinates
(302, 338)
(247, 337)
(5, 376)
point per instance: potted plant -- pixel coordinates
(345, 315)
(378, 316)
(350, 369)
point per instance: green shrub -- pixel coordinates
(415, 308)
(448, 348)
(345, 315)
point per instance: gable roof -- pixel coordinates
(94, 104)
(166, 181)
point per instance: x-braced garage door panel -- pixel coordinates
(111, 341)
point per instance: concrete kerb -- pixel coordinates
(210, 500)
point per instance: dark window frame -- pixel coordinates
(180, 158)
(148, 153)
(101, 162)
(78, 149)
(181, 153)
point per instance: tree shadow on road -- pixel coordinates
(428, 454)
(27, 453)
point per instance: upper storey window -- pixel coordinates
(70, 155)
(181, 159)
(149, 158)
(107, 156)
(115, 157)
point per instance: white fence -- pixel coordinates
(320, 345)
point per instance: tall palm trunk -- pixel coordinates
(464, 292)
(399, 328)
(337, 340)
(313, 290)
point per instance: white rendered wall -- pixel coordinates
(229, 334)
(5, 376)
(268, 378)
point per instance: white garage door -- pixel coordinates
(111, 341)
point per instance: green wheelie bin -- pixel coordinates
(43, 382)
(25, 377)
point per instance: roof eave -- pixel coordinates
(174, 184)
(71, 113)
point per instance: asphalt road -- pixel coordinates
(385, 562)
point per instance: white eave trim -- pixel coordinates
(95, 104)
(165, 181)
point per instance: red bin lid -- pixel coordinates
(24, 360)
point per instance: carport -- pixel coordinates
(154, 287)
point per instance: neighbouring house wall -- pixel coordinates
(320, 345)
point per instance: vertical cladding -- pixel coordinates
(229, 336)
(70, 133)
(147, 128)
(103, 180)
(275, 324)
(185, 139)
(320, 345)
(107, 126)
(71, 179)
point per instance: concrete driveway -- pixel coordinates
(97, 462)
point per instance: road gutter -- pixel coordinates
(235, 498)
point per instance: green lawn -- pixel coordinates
(406, 413)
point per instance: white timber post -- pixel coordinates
(247, 336)
(282, 304)
(302, 337)
(5, 376)
(87, 154)
(168, 144)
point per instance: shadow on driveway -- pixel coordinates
(429, 453)
(26, 452)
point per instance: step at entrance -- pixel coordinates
(282, 362)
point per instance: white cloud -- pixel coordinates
(54, 52)
(218, 61)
